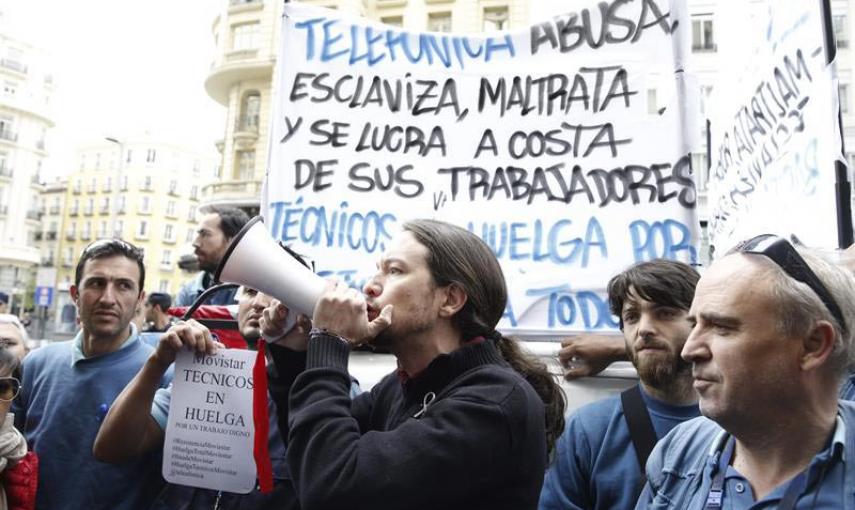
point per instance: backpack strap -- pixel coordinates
(640, 425)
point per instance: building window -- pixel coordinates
(142, 230)
(170, 208)
(10, 88)
(145, 185)
(105, 205)
(840, 31)
(250, 110)
(246, 165)
(194, 192)
(191, 213)
(395, 21)
(191, 233)
(166, 257)
(108, 184)
(97, 161)
(118, 229)
(120, 204)
(68, 258)
(843, 92)
(173, 187)
(123, 184)
(167, 233)
(245, 36)
(164, 286)
(702, 34)
(495, 18)
(439, 22)
(86, 232)
(129, 156)
(145, 205)
(90, 206)
(93, 185)
(150, 155)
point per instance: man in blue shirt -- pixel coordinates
(600, 454)
(69, 386)
(772, 340)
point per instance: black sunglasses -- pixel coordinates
(781, 252)
(9, 388)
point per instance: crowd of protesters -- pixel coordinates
(742, 399)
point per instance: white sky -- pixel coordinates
(122, 68)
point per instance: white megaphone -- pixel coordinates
(255, 260)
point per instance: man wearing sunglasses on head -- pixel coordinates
(69, 386)
(772, 339)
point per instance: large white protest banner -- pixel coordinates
(562, 145)
(209, 433)
(774, 128)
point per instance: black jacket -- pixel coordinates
(467, 433)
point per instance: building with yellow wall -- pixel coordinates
(142, 190)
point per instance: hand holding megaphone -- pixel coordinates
(342, 311)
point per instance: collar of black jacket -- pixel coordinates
(446, 367)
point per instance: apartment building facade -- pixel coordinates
(26, 87)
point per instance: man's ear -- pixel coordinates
(817, 346)
(455, 300)
(74, 293)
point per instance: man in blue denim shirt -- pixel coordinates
(772, 340)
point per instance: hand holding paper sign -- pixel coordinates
(343, 311)
(189, 333)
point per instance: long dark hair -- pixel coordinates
(457, 256)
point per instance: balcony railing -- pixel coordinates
(37, 236)
(73, 211)
(33, 215)
(84, 236)
(14, 65)
(51, 235)
(7, 134)
(105, 209)
(69, 236)
(67, 263)
(87, 211)
(47, 261)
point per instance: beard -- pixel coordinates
(662, 370)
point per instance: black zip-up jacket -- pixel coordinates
(467, 433)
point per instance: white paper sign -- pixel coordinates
(562, 145)
(774, 127)
(209, 434)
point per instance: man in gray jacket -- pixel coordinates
(772, 339)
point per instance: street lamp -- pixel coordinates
(114, 212)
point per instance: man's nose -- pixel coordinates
(694, 349)
(646, 326)
(372, 287)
